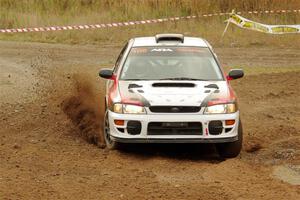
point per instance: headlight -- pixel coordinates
(128, 109)
(221, 109)
(118, 108)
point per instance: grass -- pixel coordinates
(33, 13)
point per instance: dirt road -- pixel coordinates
(45, 155)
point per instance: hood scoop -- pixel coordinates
(172, 84)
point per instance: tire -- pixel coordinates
(231, 149)
(110, 144)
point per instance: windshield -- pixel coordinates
(170, 63)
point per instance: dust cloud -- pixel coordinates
(83, 108)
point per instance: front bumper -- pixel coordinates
(204, 135)
(174, 140)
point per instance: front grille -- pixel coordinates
(175, 109)
(174, 128)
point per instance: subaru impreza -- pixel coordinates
(171, 88)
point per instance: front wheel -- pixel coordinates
(110, 144)
(231, 149)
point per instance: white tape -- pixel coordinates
(118, 24)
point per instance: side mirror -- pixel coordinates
(106, 73)
(235, 74)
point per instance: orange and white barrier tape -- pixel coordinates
(130, 23)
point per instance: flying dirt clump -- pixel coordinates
(83, 109)
(252, 145)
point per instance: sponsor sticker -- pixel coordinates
(162, 50)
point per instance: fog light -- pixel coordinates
(119, 122)
(215, 127)
(134, 127)
(229, 122)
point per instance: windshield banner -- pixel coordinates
(255, 26)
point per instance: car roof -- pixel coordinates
(151, 41)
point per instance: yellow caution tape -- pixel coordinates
(255, 26)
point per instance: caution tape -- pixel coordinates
(131, 23)
(265, 28)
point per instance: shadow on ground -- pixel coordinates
(192, 152)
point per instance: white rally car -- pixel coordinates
(171, 89)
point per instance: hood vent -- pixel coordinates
(173, 85)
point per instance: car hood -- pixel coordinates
(172, 93)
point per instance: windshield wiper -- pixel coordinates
(184, 78)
